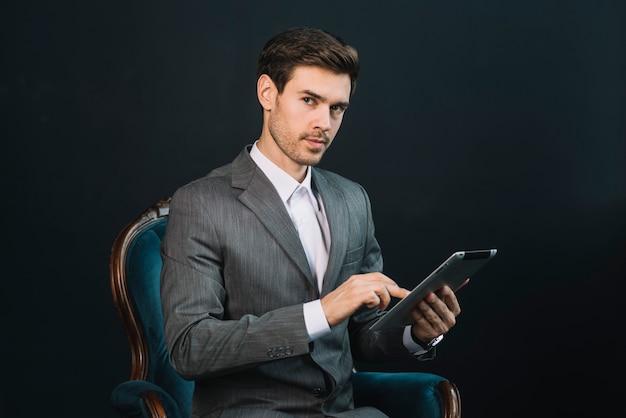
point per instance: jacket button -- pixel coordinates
(317, 392)
(279, 351)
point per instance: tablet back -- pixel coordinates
(460, 266)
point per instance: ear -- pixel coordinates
(266, 91)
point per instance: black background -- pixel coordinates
(474, 125)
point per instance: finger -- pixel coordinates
(390, 288)
(462, 285)
(397, 291)
(421, 327)
(418, 316)
(445, 307)
(384, 297)
(438, 316)
(450, 300)
(374, 300)
(386, 280)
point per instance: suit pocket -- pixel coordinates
(353, 256)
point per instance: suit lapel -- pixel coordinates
(260, 196)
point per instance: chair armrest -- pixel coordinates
(407, 394)
(140, 398)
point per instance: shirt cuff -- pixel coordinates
(315, 319)
(410, 344)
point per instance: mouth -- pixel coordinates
(315, 140)
(315, 143)
(318, 139)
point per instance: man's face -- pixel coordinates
(307, 115)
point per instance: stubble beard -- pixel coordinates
(291, 148)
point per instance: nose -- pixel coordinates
(322, 119)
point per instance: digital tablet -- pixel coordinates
(460, 266)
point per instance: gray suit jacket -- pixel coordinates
(233, 282)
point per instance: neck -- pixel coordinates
(273, 153)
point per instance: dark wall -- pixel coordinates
(474, 124)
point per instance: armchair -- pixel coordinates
(155, 390)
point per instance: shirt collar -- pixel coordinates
(284, 184)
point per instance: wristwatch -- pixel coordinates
(430, 344)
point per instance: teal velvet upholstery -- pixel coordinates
(401, 394)
(135, 279)
(142, 270)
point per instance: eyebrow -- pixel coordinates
(319, 97)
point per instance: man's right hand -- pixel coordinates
(370, 289)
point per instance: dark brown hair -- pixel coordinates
(307, 46)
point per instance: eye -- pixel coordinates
(337, 109)
(308, 100)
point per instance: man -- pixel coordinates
(262, 326)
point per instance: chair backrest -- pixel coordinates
(135, 284)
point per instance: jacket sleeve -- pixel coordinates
(203, 337)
